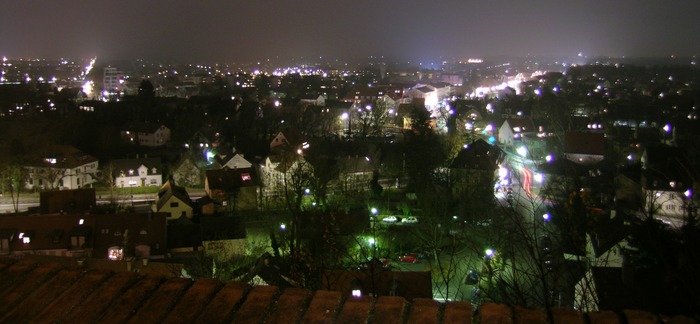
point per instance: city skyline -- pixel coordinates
(220, 31)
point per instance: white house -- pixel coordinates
(512, 130)
(145, 172)
(61, 167)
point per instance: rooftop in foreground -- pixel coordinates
(36, 292)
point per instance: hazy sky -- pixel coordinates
(234, 30)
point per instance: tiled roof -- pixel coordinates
(584, 143)
(62, 156)
(124, 165)
(31, 292)
(170, 189)
(141, 127)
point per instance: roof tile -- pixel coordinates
(290, 306)
(529, 315)
(456, 312)
(221, 307)
(130, 300)
(389, 309)
(255, 307)
(73, 296)
(424, 311)
(161, 301)
(42, 296)
(567, 315)
(355, 310)
(194, 300)
(17, 290)
(607, 317)
(495, 313)
(323, 307)
(100, 300)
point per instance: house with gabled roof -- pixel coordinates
(235, 161)
(290, 139)
(138, 172)
(279, 165)
(233, 189)
(584, 147)
(669, 184)
(61, 167)
(173, 200)
(145, 134)
(187, 173)
(513, 130)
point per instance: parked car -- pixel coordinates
(409, 258)
(484, 222)
(410, 220)
(379, 263)
(390, 219)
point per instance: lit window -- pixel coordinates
(245, 176)
(115, 253)
(81, 221)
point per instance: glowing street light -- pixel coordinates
(522, 151)
(374, 211)
(549, 158)
(371, 241)
(489, 253)
(539, 177)
(546, 217)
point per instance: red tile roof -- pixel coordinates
(31, 292)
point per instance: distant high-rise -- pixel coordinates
(113, 80)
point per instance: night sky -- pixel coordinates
(230, 31)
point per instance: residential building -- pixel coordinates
(174, 201)
(233, 189)
(512, 131)
(138, 172)
(146, 134)
(61, 167)
(584, 147)
(85, 235)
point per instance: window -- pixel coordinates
(77, 241)
(154, 181)
(174, 204)
(115, 253)
(245, 176)
(670, 207)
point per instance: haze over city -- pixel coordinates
(228, 31)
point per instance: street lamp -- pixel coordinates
(546, 217)
(522, 151)
(489, 253)
(374, 211)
